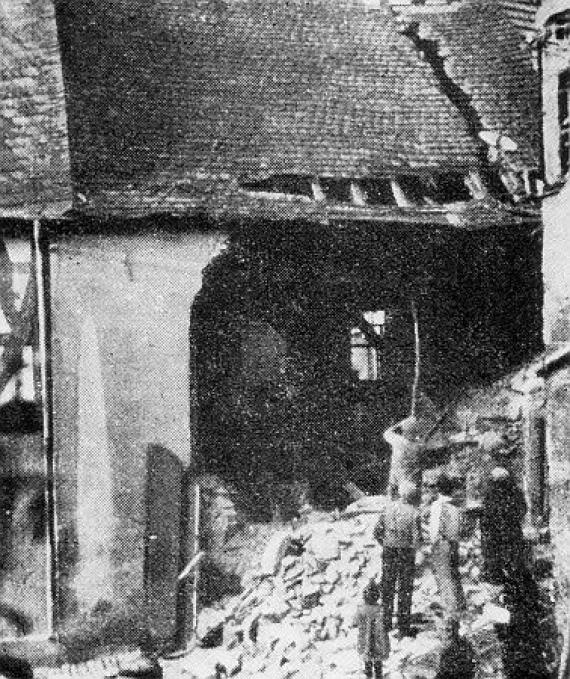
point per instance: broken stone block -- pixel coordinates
(355, 568)
(232, 634)
(268, 633)
(373, 504)
(209, 619)
(250, 626)
(287, 562)
(275, 608)
(331, 628)
(231, 661)
(492, 615)
(201, 663)
(141, 668)
(324, 545)
(274, 553)
(311, 599)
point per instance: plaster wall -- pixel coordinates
(122, 434)
(556, 268)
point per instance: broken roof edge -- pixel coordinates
(56, 209)
(470, 215)
(403, 10)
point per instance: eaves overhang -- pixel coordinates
(470, 215)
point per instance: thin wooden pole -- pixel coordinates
(196, 550)
(41, 273)
(416, 383)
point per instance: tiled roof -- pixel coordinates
(257, 87)
(34, 159)
(492, 64)
(520, 12)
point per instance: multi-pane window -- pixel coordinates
(558, 27)
(365, 345)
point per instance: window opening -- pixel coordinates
(365, 344)
(378, 191)
(282, 184)
(336, 189)
(558, 28)
(447, 188)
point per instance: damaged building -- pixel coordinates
(287, 220)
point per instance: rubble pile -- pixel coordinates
(294, 617)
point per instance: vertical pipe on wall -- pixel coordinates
(196, 549)
(416, 383)
(540, 67)
(40, 258)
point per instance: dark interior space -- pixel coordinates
(285, 323)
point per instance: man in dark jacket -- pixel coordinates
(502, 542)
(399, 531)
(525, 646)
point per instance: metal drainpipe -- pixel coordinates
(41, 271)
(541, 159)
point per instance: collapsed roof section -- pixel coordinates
(487, 62)
(34, 157)
(188, 107)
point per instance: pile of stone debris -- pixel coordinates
(294, 617)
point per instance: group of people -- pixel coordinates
(399, 530)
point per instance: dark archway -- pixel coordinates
(279, 402)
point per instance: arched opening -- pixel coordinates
(305, 349)
(304, 353)
(284, 401)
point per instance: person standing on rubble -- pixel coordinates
(399, 531)
(373, 642)
(502, 540)
(444, 532)
(405, 464)
(524, 644)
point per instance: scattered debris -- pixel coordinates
(295, 620)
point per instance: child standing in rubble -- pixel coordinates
(373, 642)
